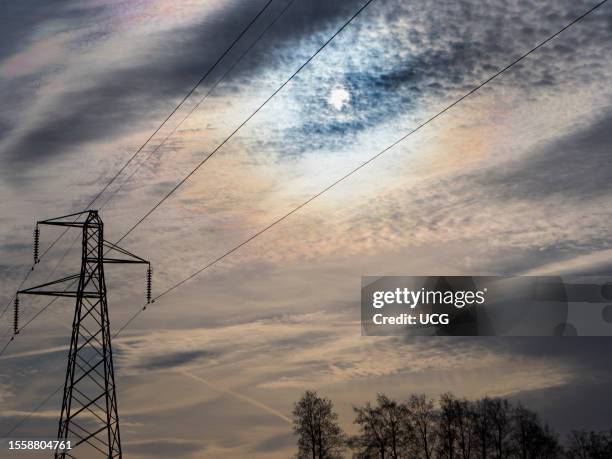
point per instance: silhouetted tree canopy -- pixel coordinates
(316, 425)
(590, 445)
(452, 428)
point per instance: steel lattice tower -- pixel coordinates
(89, 412)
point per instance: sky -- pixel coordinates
(514, 180)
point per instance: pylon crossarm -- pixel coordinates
(65, 293)
(37, 290)
(123, 261)
(132, 258)
(58, 220)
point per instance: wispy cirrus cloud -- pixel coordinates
(512, 179)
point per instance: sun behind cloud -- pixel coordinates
(339, 97)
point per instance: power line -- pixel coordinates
(371, 159)
(392, 145)
(118, 173)
(472, 91)
(444, 110)
(227, 138)
(346, 23)
(25, 278)
(196, 106)
(29, 415)
(6, 344)
(227, 72)
(184, 99)
(65, 254)
(218, 147)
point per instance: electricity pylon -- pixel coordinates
(89, 407)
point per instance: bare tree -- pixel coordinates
(488, 428)
(589, 445)
(532, 439)
(423, 417)
(316, 425)
(447, 426)
(578, 445)
(393, 414)
(466, 420)
(523, 422)
(373, 438)
(500, 415)
(482, 426)
(547, 444)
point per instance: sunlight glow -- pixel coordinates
(339, 98)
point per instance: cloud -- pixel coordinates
(38, 424)
(508, 181)
(91, 104)
(398, 67)
(33, 16)
(275, 443)
(575, 166)
(174, 360)
(590, 264)
(587, 401)
(241, 397)
(406, 64)
(37, 352)
(5, 391)
(313, 350)
(164, 447)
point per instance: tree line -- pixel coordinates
(452, 428)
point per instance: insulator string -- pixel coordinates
(16, 316)
(36, 244)
(149, 283)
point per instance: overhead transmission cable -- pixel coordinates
(184, 99)
(193, 109)
(392, 145)
(114, 192)
(146, 142)
(365, 163)
(176, 187)
(241, 125)
(202, 99)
